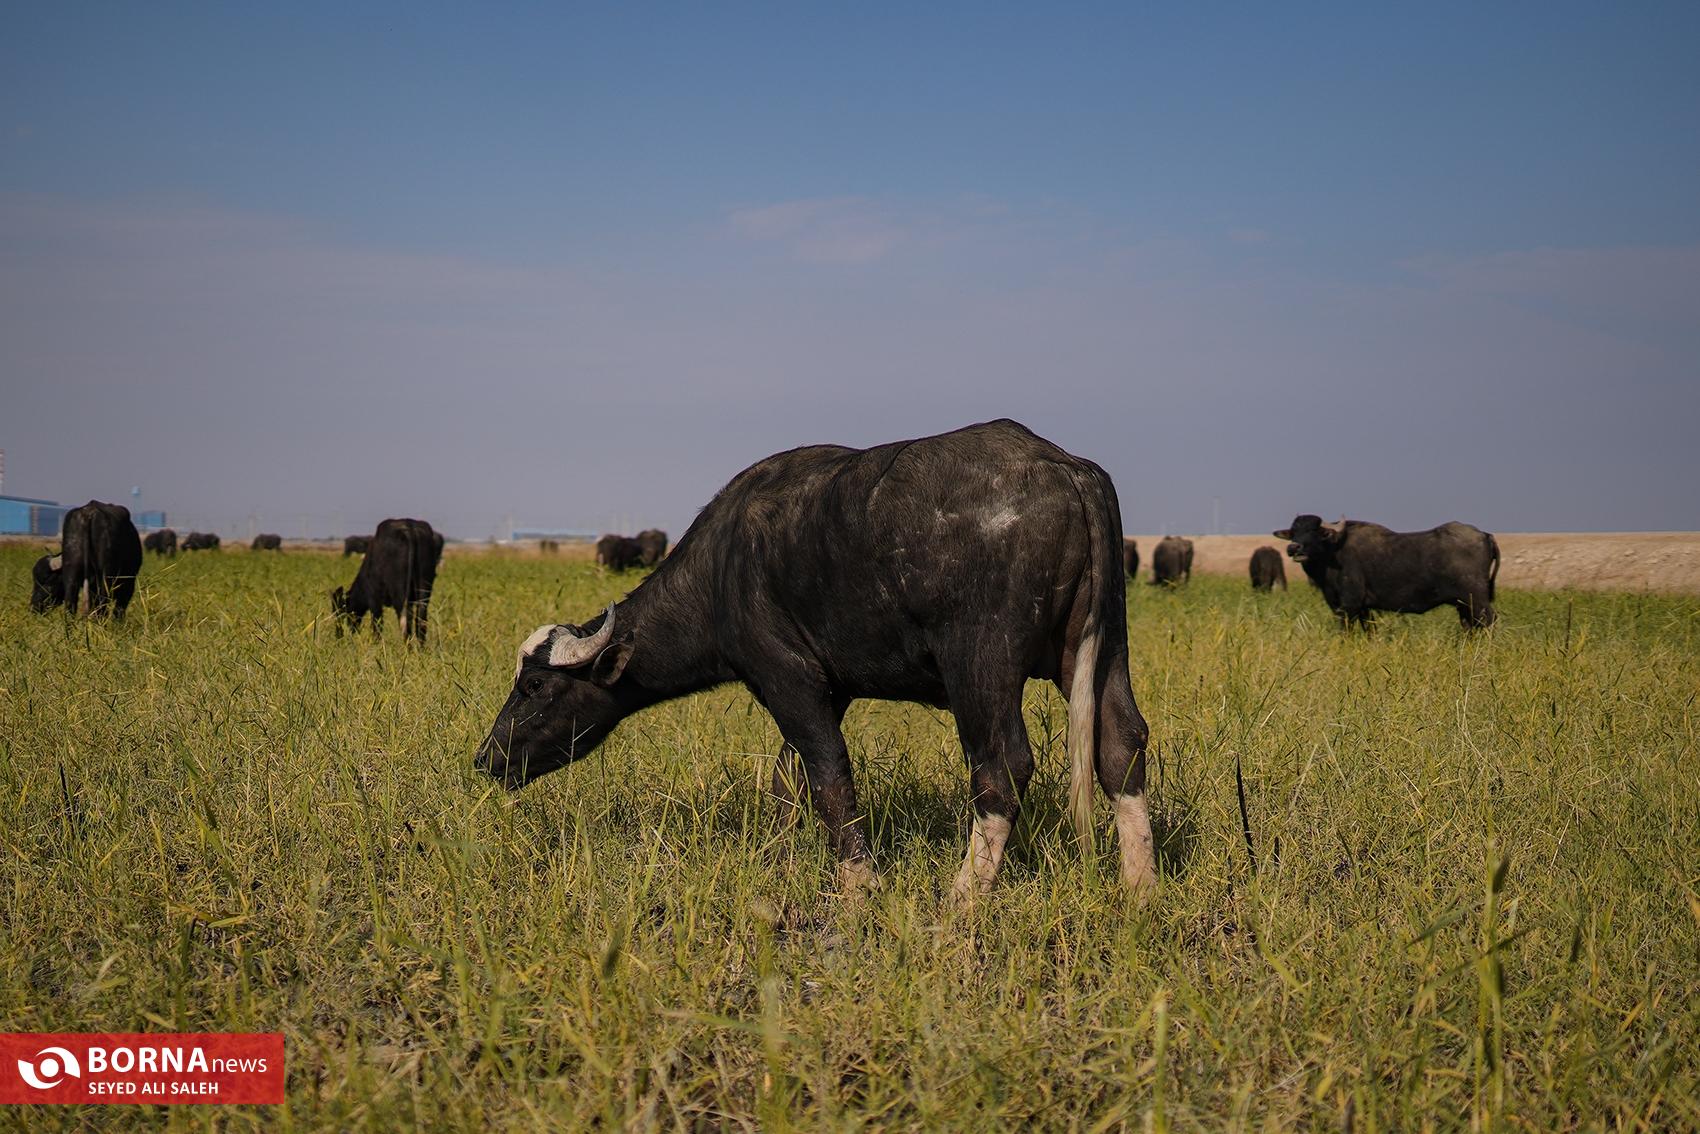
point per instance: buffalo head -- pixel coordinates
(563, 702)
(339, 610)
(1310, 538)
(46, 592)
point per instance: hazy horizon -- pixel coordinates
(578, 267)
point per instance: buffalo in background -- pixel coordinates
(1130, 558)
(201, 541)
(355, 545)
(619, 553)
(162, 542)
(100, 552)
(1267, 570)
(398, 572)
(1171, 563)
(266, 541)
(652, 542)
(1361, 568)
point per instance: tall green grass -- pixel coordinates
(1476, 902)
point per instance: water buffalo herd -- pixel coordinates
(947, 570)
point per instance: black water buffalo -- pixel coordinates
(652, 543)
(549, 546)
(100, 554)
(1130, 558)
(946, 570)
(355, 545)
(619, 553)
(1267, 570)
(45, 579)
(201, 541)
(1171, 563)
(266, 541)
(162, 542)
(1361, 568)
(398, 572)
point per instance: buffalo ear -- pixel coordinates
(607, 666)
(1334, 533)
(1284, 533)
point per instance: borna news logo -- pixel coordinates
(49, 1068)
(139, 1067)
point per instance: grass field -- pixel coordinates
(1475, 901)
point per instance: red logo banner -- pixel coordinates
(163, 1068)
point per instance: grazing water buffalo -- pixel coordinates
(100, 554)
(1267, 570)
(619, 553)
(1171, 563)
(266, 541)
(652, 543)
(398, 572)
(549, 546)
(355, 545)
(45, 576)
(1361, 568)
(946, 570)
(162, 542)
(201, 541)
(1130, 558)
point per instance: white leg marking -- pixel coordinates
(857, 877)
(1133, 832)
(985, 854)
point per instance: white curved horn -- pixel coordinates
(569, 651)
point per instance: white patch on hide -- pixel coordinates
(1000, 521)
(538, 637)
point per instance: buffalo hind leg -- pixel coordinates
(1000, 757)
(123, 590)
(1475, 613)
(413, 621)
(809, 724)
(1119, 759)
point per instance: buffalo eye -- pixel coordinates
(532, 685)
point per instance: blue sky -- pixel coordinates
(579, 265)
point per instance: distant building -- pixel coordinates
(21, 515)
(149, 521)
(574, 535)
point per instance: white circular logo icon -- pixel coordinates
(50, 1067)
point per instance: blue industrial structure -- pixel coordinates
(22, 515)
(576, 535)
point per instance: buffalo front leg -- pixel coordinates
(790, 786)
(810, 726)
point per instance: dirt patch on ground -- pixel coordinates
(1662, 562)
